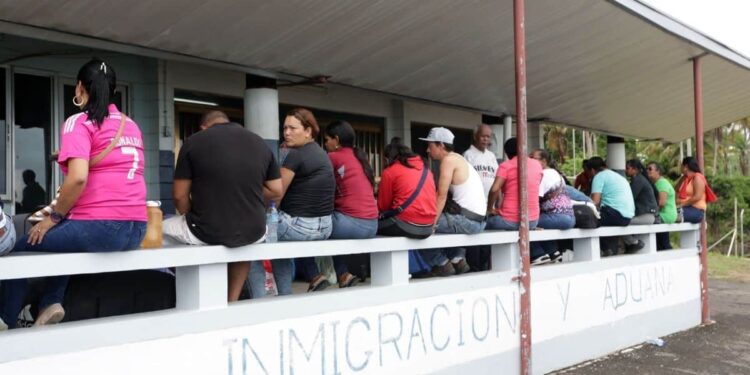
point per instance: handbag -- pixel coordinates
(710, 195)
(48, 209)
(395, 211)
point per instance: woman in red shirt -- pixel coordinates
(399, 181)
(355, 214)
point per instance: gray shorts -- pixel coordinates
(8, 239)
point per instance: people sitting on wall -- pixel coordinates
(406, 194)
(33, 196)
(461, 203)
(556, 209)
(583, 180)
(355, 214)
(611, 192)
(484, 162)
(308, 190)
(644, 196)
(224, 175)
(693, 193)
(102, 202)
(503, 201)
(666, 200)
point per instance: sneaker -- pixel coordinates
(52, 314)
(461, 267)
(3, 326)
(542, 259)
(444, 270)
(633, 248)
(556, 257)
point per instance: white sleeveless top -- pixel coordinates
(470, 194)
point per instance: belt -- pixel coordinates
(472, 215)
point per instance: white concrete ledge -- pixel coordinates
(39, 264)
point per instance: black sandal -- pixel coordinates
(347, 280)
(318, 283)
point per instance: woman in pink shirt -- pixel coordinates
(102, 201)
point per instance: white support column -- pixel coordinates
(389, 268)
(689, 239)
(201, 287)
(504, 257)
(507, 133)
(649, 239)
(535, 136)
(262, 109)
(616, 154)
(586, 249)
(497, 140)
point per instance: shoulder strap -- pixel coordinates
(395, 211)
(96, 159)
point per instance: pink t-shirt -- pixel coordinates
(115, 187)
(508, 170)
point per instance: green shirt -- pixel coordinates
(668, 213)
(615, 191)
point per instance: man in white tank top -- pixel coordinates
(464, 212)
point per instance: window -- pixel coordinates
(33, 136)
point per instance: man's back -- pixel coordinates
(227, 166)
(615, 191)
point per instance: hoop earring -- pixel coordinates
(78, 103)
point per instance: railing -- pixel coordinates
(201, 282)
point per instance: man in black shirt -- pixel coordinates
(223, 177)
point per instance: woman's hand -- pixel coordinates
(36, 235)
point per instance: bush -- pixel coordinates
(720, 215)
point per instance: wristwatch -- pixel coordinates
(56, 217)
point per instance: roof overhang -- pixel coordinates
(617, 67)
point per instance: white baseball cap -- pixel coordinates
(439, 134)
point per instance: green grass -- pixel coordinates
(734, 268)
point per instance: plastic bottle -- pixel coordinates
(153, 238)
(272, 223)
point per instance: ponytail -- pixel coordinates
(99, 81)
(369, 172)
(345, 134)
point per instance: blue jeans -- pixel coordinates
(551, 221)
(692, 215)
(497, 222)
(450, 223)
(344, 227)
(576, 194)
(290, 229)
(70, 236)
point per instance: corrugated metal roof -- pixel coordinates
(617, 67)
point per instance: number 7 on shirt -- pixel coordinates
(131, 151)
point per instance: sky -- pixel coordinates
(722, 20)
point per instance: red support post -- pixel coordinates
(523, 230)
(698, 93)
